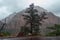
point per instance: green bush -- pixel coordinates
(5, 34)
(56, 31)
(51, 34)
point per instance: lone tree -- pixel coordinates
(34, 19)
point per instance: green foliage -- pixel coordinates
(25, 30)
(5, 34)
(36, 30)
(56, 30)
(33, 19)
(51, 34)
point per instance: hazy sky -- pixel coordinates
(7, 7)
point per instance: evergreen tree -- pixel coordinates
(34, 19)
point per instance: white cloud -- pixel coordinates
(1, 0)
(3, 9)
(9, 6)
(4, 12)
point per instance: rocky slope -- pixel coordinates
(16, 20)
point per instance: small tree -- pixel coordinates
(55, 30)
(34, 19)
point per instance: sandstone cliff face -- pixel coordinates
(16, 20)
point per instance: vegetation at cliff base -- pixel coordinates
(55, 30)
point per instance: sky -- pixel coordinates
(8, 7)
